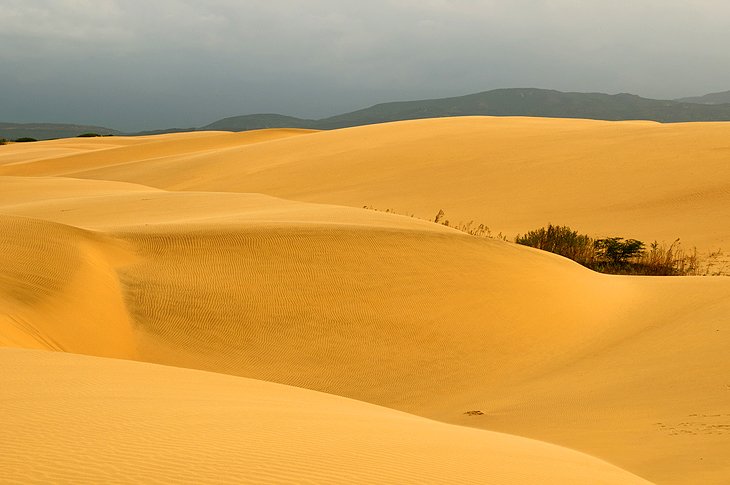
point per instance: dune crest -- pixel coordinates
(636, 179)
(59, 289)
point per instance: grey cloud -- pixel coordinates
(138, 65)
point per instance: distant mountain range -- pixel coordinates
(713, 98)
(45, 131)
(499, 102)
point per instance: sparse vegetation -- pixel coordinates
(561, 240)
(478, 230)
(716, 264)
(24, 139)
(3, 141)
(88, 135)
(614, 255)
(617, 250)
(439, 216)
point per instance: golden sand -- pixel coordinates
(71, 418)
(179, 250)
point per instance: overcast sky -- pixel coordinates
(133, 64)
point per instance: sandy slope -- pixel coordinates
(59, 157)
(59, 291)
(117, 206)
(78, 419)
(386, 309)
(639, 179)
(382, 308)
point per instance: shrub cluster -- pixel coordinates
(614, 255)
(24, 139)
(561, 240)
(3, 141)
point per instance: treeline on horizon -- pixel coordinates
(28, 139)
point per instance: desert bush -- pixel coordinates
(618, 250)
(24, 139)
(662, 260)
(614, 255)
(88, 135)
(3, 141)
(561, 240)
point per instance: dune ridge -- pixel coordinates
(60, 157)
(637, 179)
(59, 290)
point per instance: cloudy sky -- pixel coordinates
(133, 64)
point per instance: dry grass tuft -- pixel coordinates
(616, 255)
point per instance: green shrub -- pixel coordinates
(88, 135)
(617, 250)
(3, 141)
(24, 139)
(561, 240)
(614, 255)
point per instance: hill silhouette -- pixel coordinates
(45, 131)
(542, 103)
(712, 98)
(499, 102)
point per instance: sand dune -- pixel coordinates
(60, 157)
(382, 308)
(116, 206)
(69, 418)
(59, 290)
(639, 179)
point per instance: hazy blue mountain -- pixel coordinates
(499, 102)
(163, 131)
(46, 131)
(712, 98)
(259, 121)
